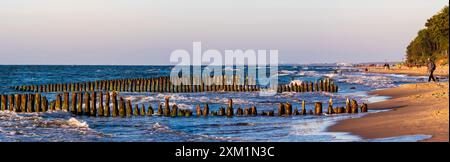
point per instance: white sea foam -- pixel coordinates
(289, 72)
(406, 138)
(307, 73)
(371, 81)
(76, 123)
(295, 82)
(331, 75)
(160, 127)
(316, 127)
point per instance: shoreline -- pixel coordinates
(414, 109)
(441, 71)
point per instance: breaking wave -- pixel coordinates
(371, 81)
(53, 126)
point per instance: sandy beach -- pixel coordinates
(421, 108)
(441, 71)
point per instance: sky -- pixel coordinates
(145, 32)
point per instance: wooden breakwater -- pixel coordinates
(189, 85)
(112, 105)
(325, 85)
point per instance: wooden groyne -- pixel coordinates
(98, 105)
(190, 85)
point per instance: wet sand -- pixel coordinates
(416, 109)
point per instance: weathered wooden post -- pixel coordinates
(52, 106)
(115, 105)
(206, 110)
(11, 102)
(239, 112)
(246, 111)
(64, 87)
(106, 110)
(330, 106)
(318, 108)
(270, 113)
(44, 104)
(174, 111)
(336, 110)
(108, 85)
(347, 106)
(281, 109)
(180, 113)
(16, 106)
(80, 104)
(303, 112)
(30, 103)
(4, 102)
(364, 107)
(160, 110)
(136, 110)
(354, 106)
(330, 110)
(142, 113)
(230, 110)
(263, 113)
(129, 109)
(73, 87)
(73, 103)
(328, 85)
(77, 86)
(93, 110)
(288, 110)
(166, 106)
(253, 111)
(23, 103)
(37, 102)
(316, 86)
(65, 105)
(295, 112)
(58, 102)
(198, 110)
(188, 113)
(121, 107)
(150, 110)
(87, 109)
(92, 85)
(305, 86)
(100, 104)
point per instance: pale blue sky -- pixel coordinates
(147, 31)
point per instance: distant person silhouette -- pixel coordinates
(431, 67)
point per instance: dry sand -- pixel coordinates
(421, 108)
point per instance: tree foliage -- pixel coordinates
(431, 42)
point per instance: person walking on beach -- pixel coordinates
(431, 67)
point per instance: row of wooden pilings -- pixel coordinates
(325, 85)
(107, 104)
(351, 107)
(164, 84)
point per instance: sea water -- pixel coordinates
(63, 126)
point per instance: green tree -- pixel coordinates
(431, 41)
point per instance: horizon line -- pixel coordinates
(191, 65)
